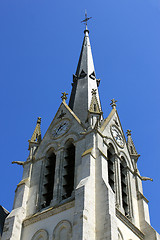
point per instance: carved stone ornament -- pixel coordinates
(113, 103)
(64, 96)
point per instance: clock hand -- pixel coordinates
(63, 125)
(59, 127)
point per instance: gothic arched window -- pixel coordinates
(68, 170)
(124, 186)
(48, 179)
(111, 167)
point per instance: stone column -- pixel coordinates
(118, 186)
(58, 177)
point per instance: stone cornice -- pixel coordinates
(48, 213)
(129, 224)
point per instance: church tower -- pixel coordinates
(80, 181)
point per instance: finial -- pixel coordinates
(93, 91)
(128, 132)
(39, 120)
(113, 103)
(85, 21)
(64, 96)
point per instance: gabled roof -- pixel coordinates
(36, 136)
(59, 116)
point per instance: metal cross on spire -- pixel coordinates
(86, 19)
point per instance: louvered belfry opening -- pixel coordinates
(124, 188)
(68, 171)
(48, 181)
(111, 168)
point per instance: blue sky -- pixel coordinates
(40, 43)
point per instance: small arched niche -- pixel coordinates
(40, 235)
(63, 231)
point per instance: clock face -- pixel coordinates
(117, 135)
(61, 128)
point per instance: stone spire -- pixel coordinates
(84, 81)
(36, 136)
(94, 106)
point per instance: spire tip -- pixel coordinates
(85, 22)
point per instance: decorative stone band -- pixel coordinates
(129, 224)
(48, 213)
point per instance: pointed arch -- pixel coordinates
(126, 159)
(110, 142)
(63, 231)
(45, 148)
(40, 235)
(70, 137)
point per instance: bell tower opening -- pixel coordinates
(48, 182)
(124, 186)
(111, 168)
(68, 170)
